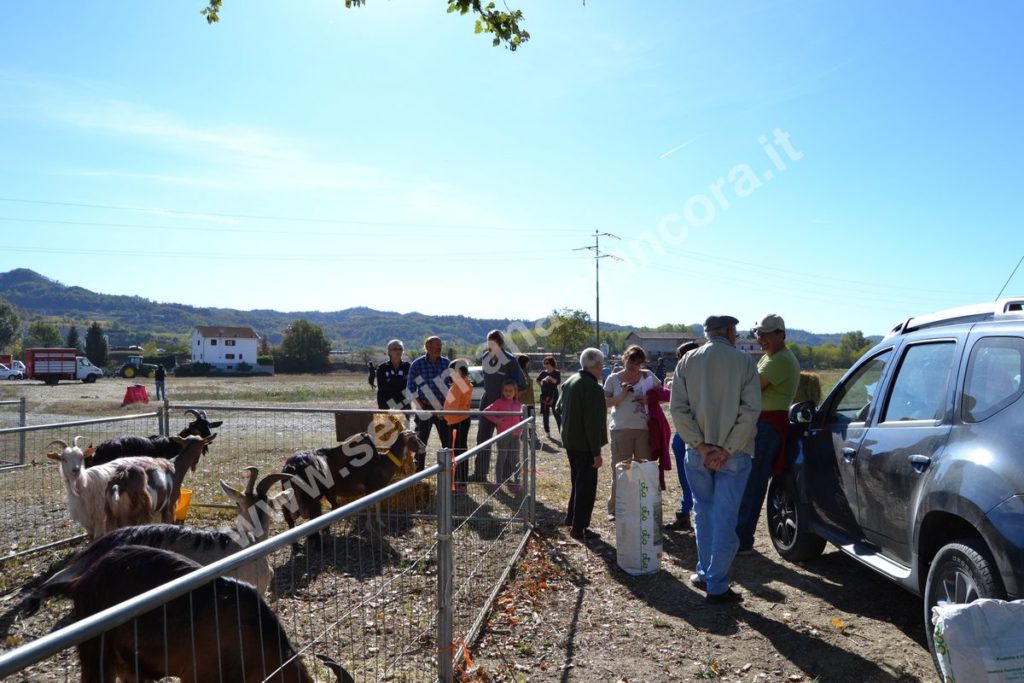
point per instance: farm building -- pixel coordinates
(657, 344)
(225, 348)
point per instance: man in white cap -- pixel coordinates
(716, 399)
(779, 372)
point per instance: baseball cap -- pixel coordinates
(770, 323)
(718, 322)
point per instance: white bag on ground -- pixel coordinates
(638, 516)
(980, 641)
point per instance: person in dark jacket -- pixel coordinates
(160, 376)
(371, 373)
(498, 365)
(549, 379)
(584, 434)
(391, 378)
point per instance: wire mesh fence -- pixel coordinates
(33, 512)
(12, 414)
(389, 590)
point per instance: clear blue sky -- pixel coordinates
(301, 156)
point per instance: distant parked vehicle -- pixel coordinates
(134, 367)
(476, 376)
(53, 365)
(10, 373)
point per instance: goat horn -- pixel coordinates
(193, 412)
(60, 443)
(342, 674)
(75, 441)
(202, 414)
(254, 472)
(270, 480)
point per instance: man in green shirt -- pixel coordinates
(584, 434)
(779, 372)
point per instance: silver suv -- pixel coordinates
(914, 463)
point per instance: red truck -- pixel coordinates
(53, 365)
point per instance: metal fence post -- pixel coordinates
(165, 425)
(532, 453)
(21, 437)
(445, 564)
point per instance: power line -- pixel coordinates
(1014, 272)
(290, 219)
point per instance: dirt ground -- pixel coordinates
(571, 615)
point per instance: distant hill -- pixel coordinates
(134, 319)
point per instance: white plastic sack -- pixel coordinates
(638, 516)
(980, 641)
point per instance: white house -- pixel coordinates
(225, 348)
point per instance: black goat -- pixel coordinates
(354, 468)
(222, 631)
(153, 446)
(197, 545)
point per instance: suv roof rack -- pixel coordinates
(1009, 307)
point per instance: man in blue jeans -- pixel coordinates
(682, 521)
(716, 398)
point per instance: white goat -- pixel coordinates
(86, 490)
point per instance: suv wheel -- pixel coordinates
(791, 541)
(960, 573)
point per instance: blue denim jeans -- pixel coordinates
(766, 447)
(716, 498)
(686, 502)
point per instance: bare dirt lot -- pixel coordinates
(571, 615)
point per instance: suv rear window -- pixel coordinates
(993, 377)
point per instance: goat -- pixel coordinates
(153, 446)
(222, 631)
(204, 547)
(255, 505)
(87, 489)
(354, 468)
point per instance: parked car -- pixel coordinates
(913, 463)
(10, 373)
(476, 376)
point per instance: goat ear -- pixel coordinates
(89, 452)
(218, 423)
(232, 493)
(53, 456)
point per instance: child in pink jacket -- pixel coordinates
(508, 445)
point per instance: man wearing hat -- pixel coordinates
(716, 398)
(779, 372)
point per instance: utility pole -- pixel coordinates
(598, 255)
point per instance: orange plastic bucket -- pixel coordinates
(184, 499)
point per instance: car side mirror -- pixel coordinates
(801, 413)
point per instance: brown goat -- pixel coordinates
(222, 631)
(353, 468)
(143, 489)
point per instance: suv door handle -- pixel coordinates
(849, 454)
(919, 462)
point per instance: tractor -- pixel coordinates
(134, 367)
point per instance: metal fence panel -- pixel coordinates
(371, 597)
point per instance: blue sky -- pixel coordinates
(844, 165)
